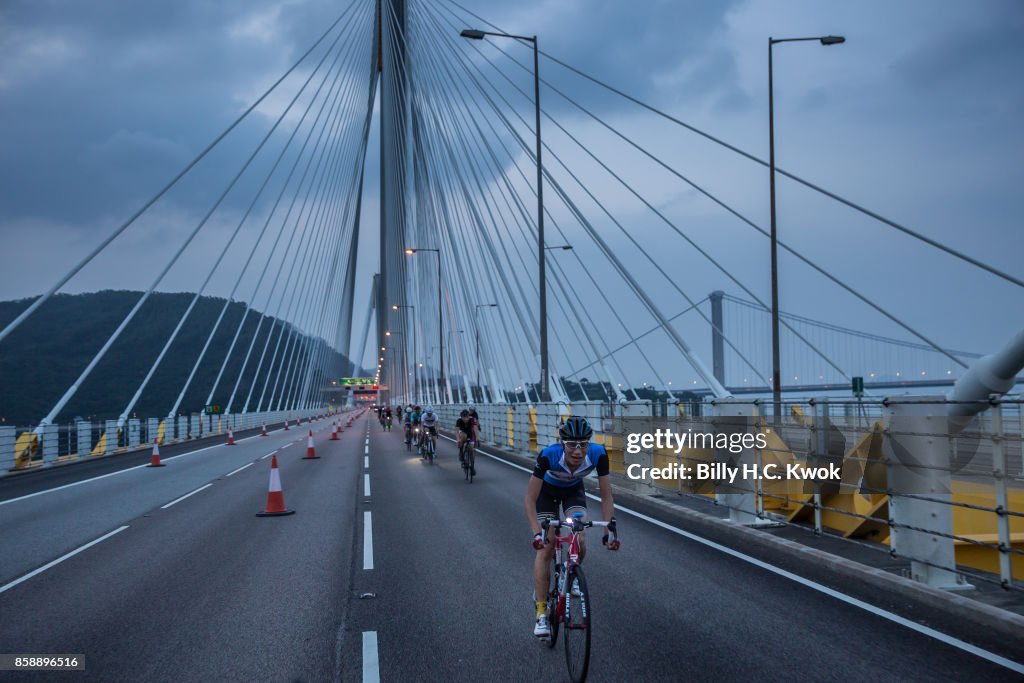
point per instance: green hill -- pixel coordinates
(46, 354)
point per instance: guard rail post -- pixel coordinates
(917, 458)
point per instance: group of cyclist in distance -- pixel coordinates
(556, 485)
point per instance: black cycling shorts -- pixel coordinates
(568, 497)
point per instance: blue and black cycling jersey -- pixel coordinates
(552, 469)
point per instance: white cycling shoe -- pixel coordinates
(543, 628)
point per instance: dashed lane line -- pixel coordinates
(178, 500)
(371, 659)
(248, 464)
(367, 540)
(60, 559)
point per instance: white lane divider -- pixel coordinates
(366, 449)
(371, 660)
(178, 500)
(286, 446)
(60, 559)
(366, 462)
(112, 474)
(268, 455)
(366, 485)
(367, 541)
(239, 469)
(813, 585)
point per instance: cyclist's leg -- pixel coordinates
(547, 508)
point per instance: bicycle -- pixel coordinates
(467, 456)
(428, 446)
(408, 436)
(568, 595)
(387, 423)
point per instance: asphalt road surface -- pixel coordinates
(396, 569)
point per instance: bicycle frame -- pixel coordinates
(564, 561)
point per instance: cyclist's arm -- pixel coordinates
(530, 503)
(604, 483)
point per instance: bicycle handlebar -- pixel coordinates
(558, 524)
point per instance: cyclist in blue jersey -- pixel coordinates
(557, 481)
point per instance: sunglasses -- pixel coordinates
(574, 445)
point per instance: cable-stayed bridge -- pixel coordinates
(538, 243)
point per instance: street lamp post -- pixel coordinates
(545, 394)
(476, 324)
(415, 376)
(776, 370)
(440, 326)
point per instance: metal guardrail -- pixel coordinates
(22, 448)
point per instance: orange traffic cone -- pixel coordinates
(334, 432)
(310, 452)
(264, 431)
(155, 461)
(231, 437)
(286, 425)
(275, 496)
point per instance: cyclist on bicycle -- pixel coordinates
(429, 421)
(557, 480)
(465, 430)
(417, 413)
(408, 423)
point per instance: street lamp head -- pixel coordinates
(472, 33)
(832, 40)
(410, 251)
(394, 307)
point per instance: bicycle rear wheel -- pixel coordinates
(577, 626)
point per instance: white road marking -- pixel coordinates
(111, 474)
(813, 585)
(286, 445)
(366, 461)
(240, 469)
(371, 661)
(178, 500)
(366, 449)
(366, 485)
(60, 559)
(367, 541)
(268, 455)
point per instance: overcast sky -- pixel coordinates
(917, 116)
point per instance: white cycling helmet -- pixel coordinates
(428, 409)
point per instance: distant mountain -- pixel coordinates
(46, 354)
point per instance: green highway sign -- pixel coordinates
(214, 409)
(355, 380)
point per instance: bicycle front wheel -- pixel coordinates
(577, 625)
(554, 617)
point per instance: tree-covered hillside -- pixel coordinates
(46, 354)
